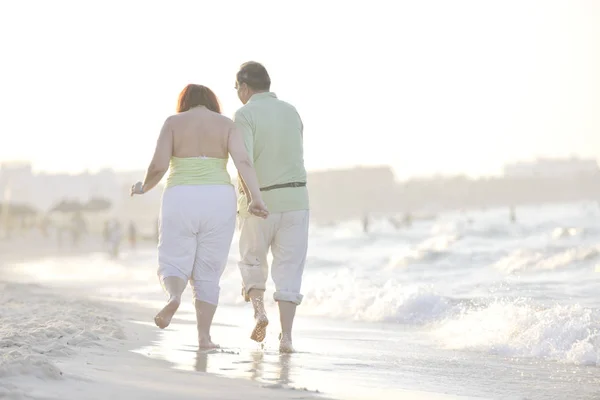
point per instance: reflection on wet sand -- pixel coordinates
(242, 358)
(284, 370)
(201, 362)
(265, 368)
(257, 365)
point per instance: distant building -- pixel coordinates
(349, 193)
(552, 168)
(15, 181)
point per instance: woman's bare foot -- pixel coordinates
(163, 318)
(260, 329)
(285, 344)
(207, 344)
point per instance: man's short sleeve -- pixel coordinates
(242, 123)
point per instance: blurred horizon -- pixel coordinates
(334, 194)
(501, 172)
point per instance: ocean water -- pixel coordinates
(465, 304)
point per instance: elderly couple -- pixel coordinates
(198, 211)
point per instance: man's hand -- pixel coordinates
(258, 208)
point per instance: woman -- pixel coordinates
(198, 210)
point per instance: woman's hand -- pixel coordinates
(138, 188)
(258, 208)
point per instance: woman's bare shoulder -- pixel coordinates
(223, 122)
(172, 119)
(207, 114)
(222, 118)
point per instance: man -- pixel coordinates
(273, 132)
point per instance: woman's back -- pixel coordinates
(200, 132)
(200, 148)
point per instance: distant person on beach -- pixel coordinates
(106, 232)
(198, 210)
(273, 132)
(132, 234)
(408, 219)
(44, 225)
(78, 228)
(115, 238)
(365, 223)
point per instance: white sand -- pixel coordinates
(60, 347)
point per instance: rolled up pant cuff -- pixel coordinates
(295, 298)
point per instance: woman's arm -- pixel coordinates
(162, 155)
(243, 163)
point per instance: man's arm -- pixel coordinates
(243, 163)
(244, 127)
(242, 188)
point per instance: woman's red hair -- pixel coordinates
(197, 95)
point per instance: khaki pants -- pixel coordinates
(286, 234)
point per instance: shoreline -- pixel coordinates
(133, 365)
(101, 361)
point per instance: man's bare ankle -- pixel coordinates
(256, 294)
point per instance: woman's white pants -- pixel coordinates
(196, 226)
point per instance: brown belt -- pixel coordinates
(283, 185)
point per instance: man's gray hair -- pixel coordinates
(254, 75)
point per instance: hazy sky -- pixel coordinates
(425, 86)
